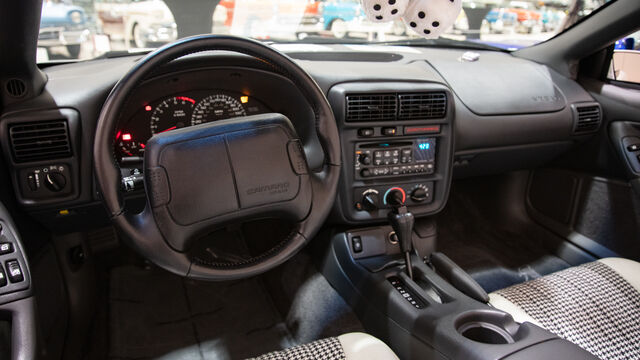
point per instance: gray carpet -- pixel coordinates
(496, 252)
(154, 314)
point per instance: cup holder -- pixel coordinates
(487, 327)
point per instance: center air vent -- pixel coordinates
(587, 118)
(372, 107)
(422, 106)
(43, 140)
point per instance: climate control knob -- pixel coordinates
(395, 196)
(419, 195)
(370, 200)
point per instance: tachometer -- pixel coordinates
(216, 107)
(172, 113)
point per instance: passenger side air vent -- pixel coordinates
(587, 118)
(42, 140)
(422, 106)
(371, 107)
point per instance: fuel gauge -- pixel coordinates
(128, 146)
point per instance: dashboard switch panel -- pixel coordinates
(46, 181)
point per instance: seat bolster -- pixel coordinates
(518, 314)
(627, 269)
(363, 346)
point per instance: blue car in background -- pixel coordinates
(63, 25)
(339, 18)
(500, 20)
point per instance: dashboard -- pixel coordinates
(484, 127)
(174, 111)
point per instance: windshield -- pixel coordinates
(85, 29)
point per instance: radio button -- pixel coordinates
(365, 173)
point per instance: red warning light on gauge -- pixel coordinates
(126, 137)
(148, 108)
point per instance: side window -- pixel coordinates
(625, 63)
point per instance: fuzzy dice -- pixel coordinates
(430, 18)
(384, 10)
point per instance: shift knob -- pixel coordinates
(402, 222)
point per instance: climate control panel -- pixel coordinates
(401, 158)
(374, 198)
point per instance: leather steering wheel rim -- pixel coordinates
(141, 230)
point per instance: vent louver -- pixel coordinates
(422, 106)
(588, 118)
(371, 107)
(16, 88)
(43, 140)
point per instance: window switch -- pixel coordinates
(6, 248)
(14, 271)
(633, 147)
(3, 277)
(356, 243)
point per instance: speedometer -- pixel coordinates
(216, 107)
(172, 113)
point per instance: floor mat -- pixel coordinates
(495, 256)
(154, 314)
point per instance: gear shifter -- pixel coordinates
(402, 222)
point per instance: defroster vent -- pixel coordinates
(371, 107)
(42, 140)
(422, 106)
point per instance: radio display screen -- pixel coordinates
(425, 150)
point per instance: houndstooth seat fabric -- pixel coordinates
(344, 347)
(596, 306)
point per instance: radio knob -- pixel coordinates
(370, 200)
(419, 194)
(364, 159)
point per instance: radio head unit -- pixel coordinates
(399, 158)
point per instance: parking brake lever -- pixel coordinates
(402, 221)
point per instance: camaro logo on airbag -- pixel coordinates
(277, 188)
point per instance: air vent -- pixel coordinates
(43, 140)
(16, 88)
(371, 107)
(422, 106)
(588, 118)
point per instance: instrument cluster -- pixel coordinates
(177, 111)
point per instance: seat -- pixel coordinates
(595, 305)
(344, 347)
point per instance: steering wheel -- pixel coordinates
(207, 176)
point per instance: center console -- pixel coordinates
(395, 136)
(421, 314)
